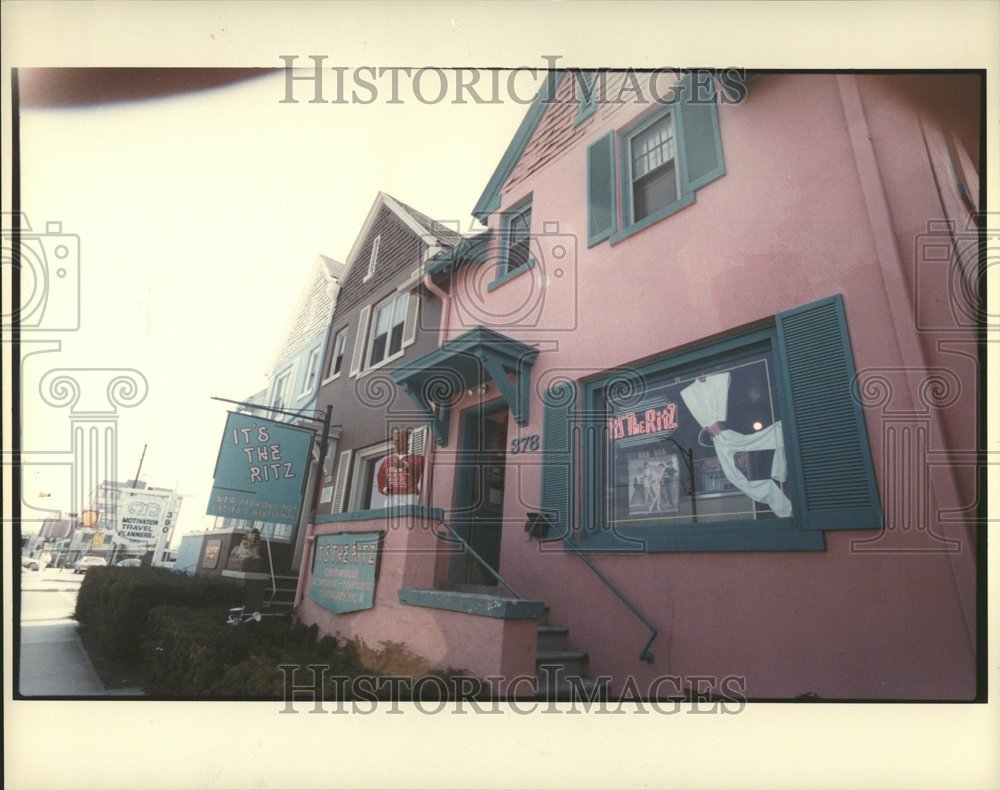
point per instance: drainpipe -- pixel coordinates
(445, 299)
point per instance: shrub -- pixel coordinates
(195, 653)
(114, 603)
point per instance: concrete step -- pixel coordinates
(552, 637)
(569, 662)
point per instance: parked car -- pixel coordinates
(84, 564)
(35, 563)
(129, 562)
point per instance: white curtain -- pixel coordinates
(707, 399)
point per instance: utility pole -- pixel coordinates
(135, 482)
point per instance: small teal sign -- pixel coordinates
(344, 571)
(261, 471)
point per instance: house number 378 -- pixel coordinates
(526, 444)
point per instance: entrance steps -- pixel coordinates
(560, 671)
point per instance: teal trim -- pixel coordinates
(586, 95)
(702, 538)
(827, 423)
(479, 605)
(829, 462)
(510, 275)
(503, 274)
(439, 377)
(559, 458)
(473, 249)
(408, 511)
(652, 219)
(602, 203)
(489, 201)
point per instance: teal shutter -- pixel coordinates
(827, 426)
(699, 131)
(601, 189)
(558, 459)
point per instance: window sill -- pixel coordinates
(381, 364)
(334, 377)
(508, 276)
(776, 535)
(683, 202)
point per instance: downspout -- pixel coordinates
(445, 299)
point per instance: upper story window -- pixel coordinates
(279, 395)
(515, 240)
(337, 358)
(384, 331)
(653, 173)
(372, 259)
(388, 324)
(652, 168)
(312, 370)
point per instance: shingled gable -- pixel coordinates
(489, 201)
(312, 312)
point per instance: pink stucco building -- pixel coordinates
(707, 390)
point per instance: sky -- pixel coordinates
(199, 217)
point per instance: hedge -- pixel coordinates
(194, 653)
(114, 603)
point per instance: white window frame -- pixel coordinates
(360, 461)
(286, 375)
(312, 372)
(340, 335)
(386, 304)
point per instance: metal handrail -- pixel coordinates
(645, 655)
(482, 562)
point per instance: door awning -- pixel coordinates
(438, 379)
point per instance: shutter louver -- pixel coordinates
(360, 341)
(601, 189)
(340, 484)
(699, 121)
(418, 441)
(559, 451)
(827, 424)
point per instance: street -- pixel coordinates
(53, 661)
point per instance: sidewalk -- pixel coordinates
(54, 662)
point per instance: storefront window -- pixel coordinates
(699, 445)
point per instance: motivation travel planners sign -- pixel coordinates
(261, 471)
(344, 571)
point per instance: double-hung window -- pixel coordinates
(312, 368)
(387, 328)
(337, 359)
(749, 443)
(652, 159)
(652, 168)
(279, 395)
(515, 256)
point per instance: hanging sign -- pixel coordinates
(261, 471)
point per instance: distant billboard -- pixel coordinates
(143, 516)
(260, 474)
